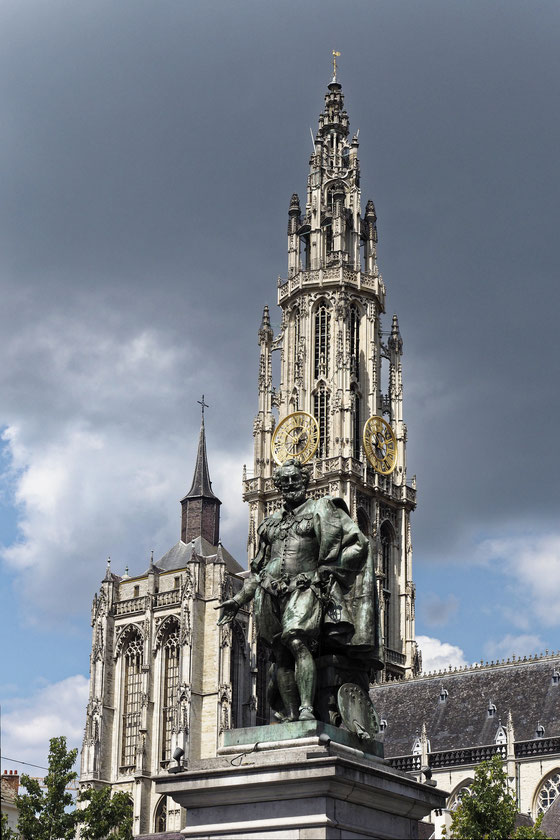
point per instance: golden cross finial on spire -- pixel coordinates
(335, 54)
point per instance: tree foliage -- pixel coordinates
(42, 812)
(489, 811)
(105, 815)
(7, 833)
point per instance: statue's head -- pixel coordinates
(292, 480)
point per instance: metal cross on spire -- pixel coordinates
(203, 405)
(335, 55)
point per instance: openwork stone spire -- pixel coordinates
(201, 507)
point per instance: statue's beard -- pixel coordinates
(294, 497)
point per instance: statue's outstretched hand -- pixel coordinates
(228, 611)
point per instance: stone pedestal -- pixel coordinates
(311, 787)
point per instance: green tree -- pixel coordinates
(7, 833)
(488, 812)
(105, 815)
(42, 813)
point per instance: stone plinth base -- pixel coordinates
(311, 789)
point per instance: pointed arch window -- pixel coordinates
(132, 699)
(354, 341)
(356, 424)
(548, 792)
(160, 820)
(387, 542)
(170, 683)
(296, 333)
(322, 411)
(322, 340)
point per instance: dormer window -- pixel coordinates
(501, 737)
(382, 725)
(539, 731)
(136, 591)
(443, 694)
(555, 677)
(417, 746)
(492, 710)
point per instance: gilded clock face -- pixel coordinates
(380, 445)
(296, 436)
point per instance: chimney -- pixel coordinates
(10, 780)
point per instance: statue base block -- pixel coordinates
(311, 787)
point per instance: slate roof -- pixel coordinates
(201, 484)
(179, 556)
(524, 687)
(551, 821)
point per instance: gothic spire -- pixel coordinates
(201, 484)
(201, 507)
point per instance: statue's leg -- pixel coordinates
(286, 681)
(306, 676)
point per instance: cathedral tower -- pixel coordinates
(333, 352)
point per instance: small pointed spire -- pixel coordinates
(108, 574)
(201, 484)
(395, 342)
(265, 331)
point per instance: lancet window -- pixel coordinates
(354, 341)
(357, 424)
(236, 675)
(132, 697)
(387, 542)
(322, 340)
(170, 682)
(160, 821)
(296, 332)
(322, 410)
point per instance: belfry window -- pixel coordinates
(357, 425)
(132, 692)
(322, 340)
(322, 410)
(170, 655)
(296, 327)
(354, 342)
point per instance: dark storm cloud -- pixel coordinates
(149, 153)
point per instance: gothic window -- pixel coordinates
(236, 675)
(357, 425)
(363, 522)
(304, 251)
(160, 820)
(322, 340)
(328, 241)
(170, 682)
(263, 664)
(296, 332)
(457, 797)
(387, 620)
(354, 341)
(322, 409)
(548, 792)
(132, 695)
(387, 543)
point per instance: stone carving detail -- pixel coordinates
(224, 694)
(98, 644)
(166, 627)
(185, 631)
(388, 513)
(99, 607)
(123, 634)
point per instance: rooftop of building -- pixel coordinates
(464, 707)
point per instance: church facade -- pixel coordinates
(164, 676)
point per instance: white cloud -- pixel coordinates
(101, 456)
(532, 565)
(522, 644)
(29, 723)
(437, 655)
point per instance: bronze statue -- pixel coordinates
(313, 584)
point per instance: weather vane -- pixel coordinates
(335, 54)
(203, 405)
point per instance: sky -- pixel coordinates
(148, 154)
